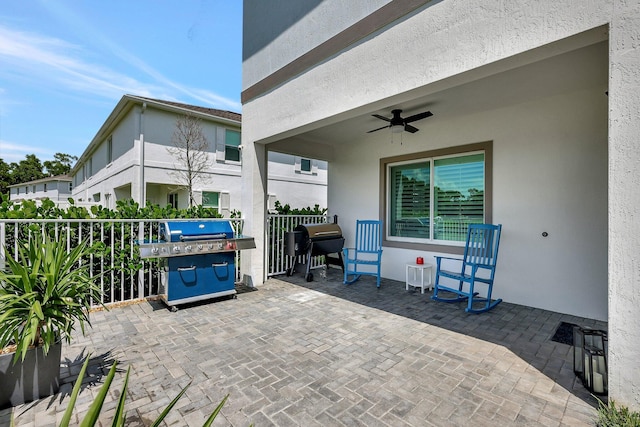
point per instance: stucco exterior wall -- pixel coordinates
(624, 204)
(549, 178)
(299, 25)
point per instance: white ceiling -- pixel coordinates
(566, 72)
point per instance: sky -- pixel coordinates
(65, 64)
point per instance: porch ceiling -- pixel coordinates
(563, 73)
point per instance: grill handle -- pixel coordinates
(193, 267)
(326, 233)
(203, 237)
(222, 264)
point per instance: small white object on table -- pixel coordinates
(419, 276)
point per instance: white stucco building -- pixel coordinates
(57, 188)
(540, 99)
(131, 157)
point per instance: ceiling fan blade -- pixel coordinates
(381, 117)
(410, 129)
(418, 116)
(383, 127)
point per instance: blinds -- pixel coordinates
(458, 197)
(410, 200)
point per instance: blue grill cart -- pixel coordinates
(199, 259)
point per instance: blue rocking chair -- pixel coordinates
(478, 265)
(367, 252)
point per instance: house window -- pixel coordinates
(17, 190)
(33, 188)
(211, 200)
(45, 187)
(431, 198)
(26, 189)
(110, 150)
(70, 187)
(232, 144)
(305, 165)
(89, 167)
(172, 200)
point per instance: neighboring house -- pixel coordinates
(139, 132)
(57, 188)
(536, 117)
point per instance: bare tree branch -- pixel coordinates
(190, 148)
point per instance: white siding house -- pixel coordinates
(539, 98)
(57, 188)
(131, 158)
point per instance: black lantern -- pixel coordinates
(590, 358)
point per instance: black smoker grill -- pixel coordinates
(311, 240)
(199, 259)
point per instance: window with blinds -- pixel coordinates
(436, 199)
(232, 146)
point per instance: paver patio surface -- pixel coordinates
(294, 353)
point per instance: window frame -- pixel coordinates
(217, 208)
(434, 246)
(235, 148)
(172, 200)
(110, 150)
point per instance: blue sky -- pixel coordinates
(64, 65)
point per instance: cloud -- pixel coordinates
(58, 64)
(11, 152)
(47, 59)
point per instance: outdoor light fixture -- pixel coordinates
(590, 348)
(397, 128)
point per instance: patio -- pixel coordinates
(323, 354)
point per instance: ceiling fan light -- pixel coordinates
(397, 128)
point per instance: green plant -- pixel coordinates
(91, 418)
(616, 416)
(46, 291)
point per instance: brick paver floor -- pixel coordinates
(323, 354)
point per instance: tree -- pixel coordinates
(60, 165)
(190, 147)
(5, 177)
(27, 170)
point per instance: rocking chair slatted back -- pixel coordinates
(368, 236)
(482, 244)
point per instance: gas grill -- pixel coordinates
(198, 259)
(309, 240)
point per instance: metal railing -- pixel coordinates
(277, 225)
(115, 261)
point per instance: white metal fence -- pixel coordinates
(115, 262)
(276, 261)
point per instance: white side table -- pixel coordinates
(419, 276)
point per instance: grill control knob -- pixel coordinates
(187, 248)
(176, 249)
(155, 251)
(199, 247)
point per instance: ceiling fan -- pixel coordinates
(398, 124)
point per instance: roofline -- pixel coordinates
(126, 103)
(57, 178)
